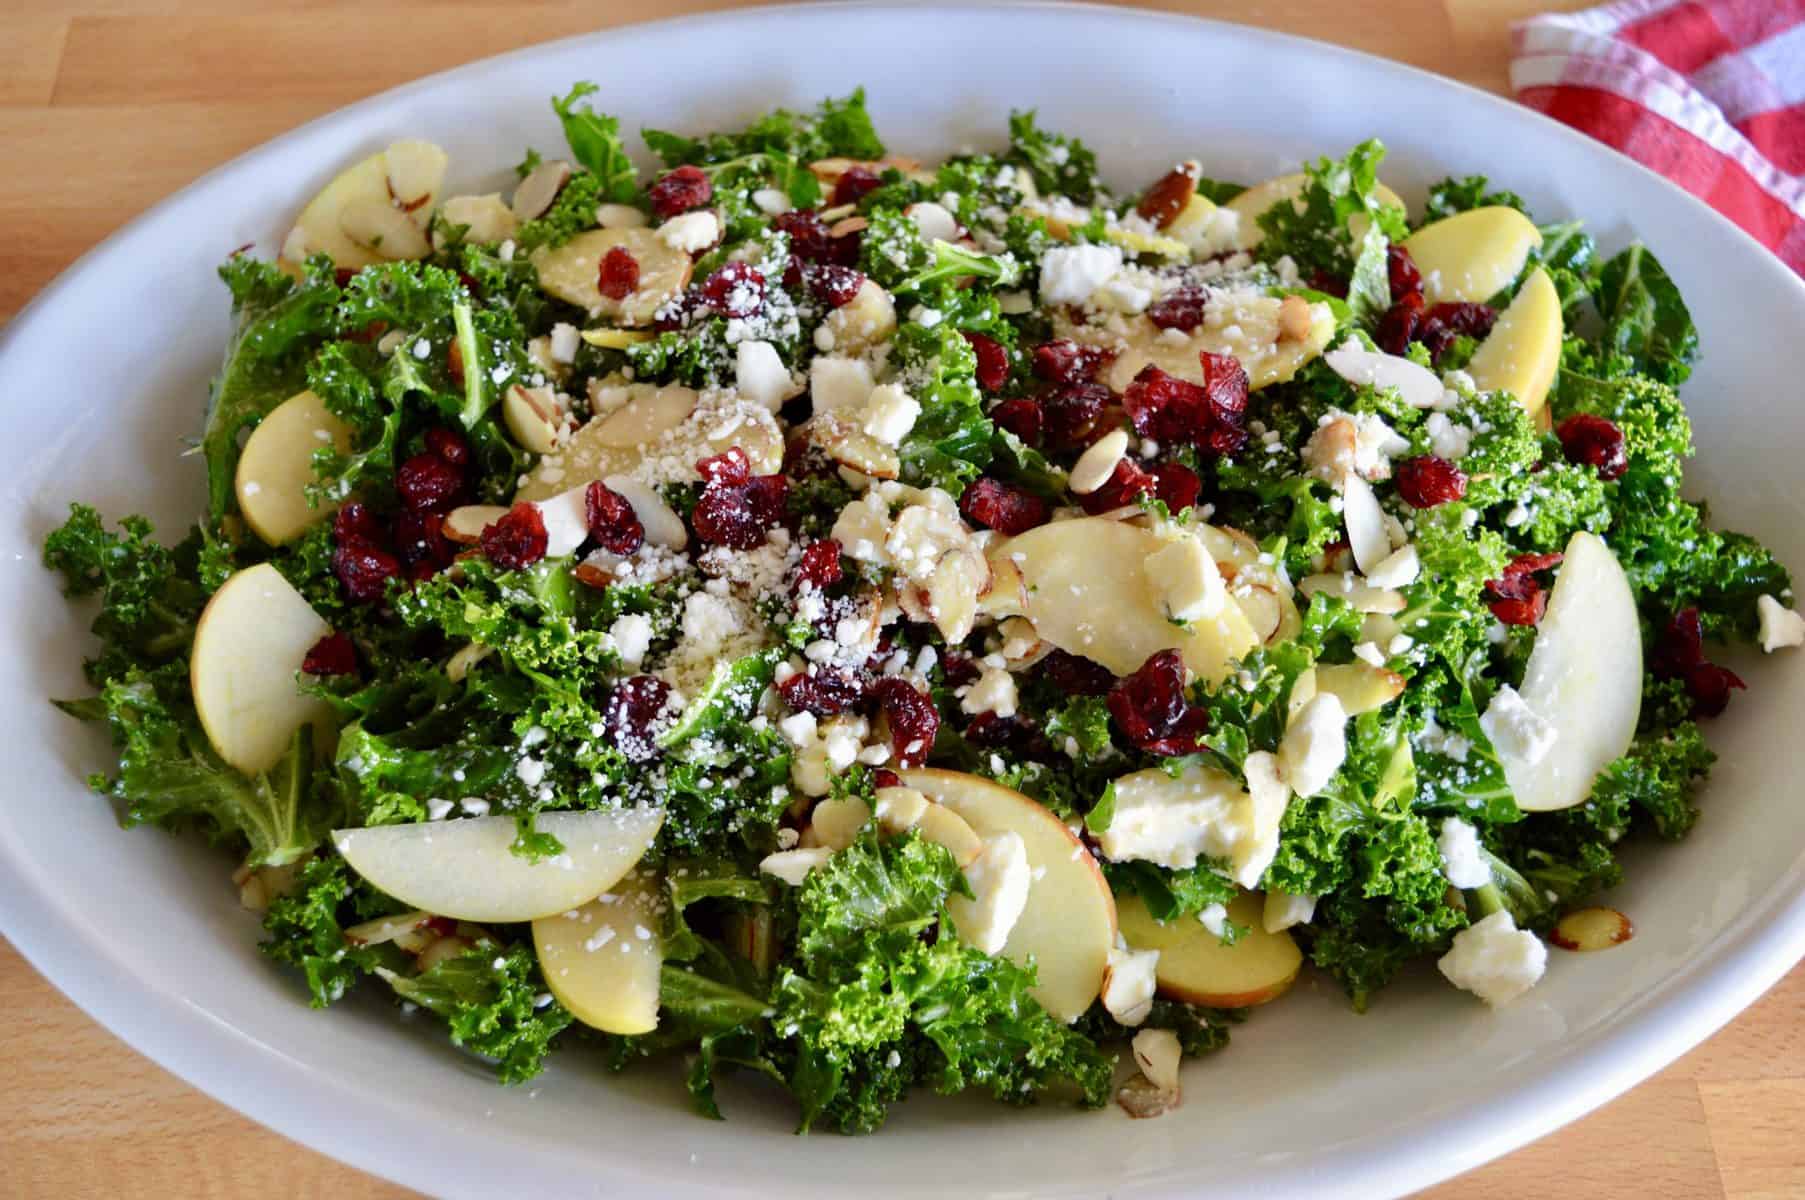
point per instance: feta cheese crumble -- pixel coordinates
(1494, 959)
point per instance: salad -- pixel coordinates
(870, 625)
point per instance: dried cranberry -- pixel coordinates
(1075, 675)
(1442, 323)
(959, 668)
(1021, 416)
(736, 290)
(1162, 405)
(1125, 485)
(1176, 486)
(993, 361)
(1328, 283)
(427, 483)
(1401, 272)
(613, 524)
(738, 514)
(1005, 733)
(1149, 707)
(996, 505)
(1592, 441)
(1709, 686)
(1065, 361)
(1518, 597)
(1225, 387)
(1399, 324)
(1680, 646)
(355, 523)
(517, 539)
(834, 286)
(344, 275)
(810, 242)
(449, 445)
(1427, 481)
(363, 570)
(883, 778)
(419, 538)
(1181, 308)
(853, 185)
(679, 191)
(331, 655)
(820, 566)
(630, 715)
(1069, 412)
(618, 275)
(821, 691)
(914, 721)
(730, 467)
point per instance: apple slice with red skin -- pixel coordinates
(1197, 968)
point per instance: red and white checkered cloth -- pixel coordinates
(1710, 93)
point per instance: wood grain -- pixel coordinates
(108, 105)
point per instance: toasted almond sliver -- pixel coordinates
(847, 225)
(953, 590)
(465, 525)
(539, 189)
(1098, 463)
(1588, 929)
(1142, 1099)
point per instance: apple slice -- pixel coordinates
(1257, 199)
(1195, 967)
(464, 868)
(277, 465)
(1474, 255)
(1522, 352)
(363, 189)
(572, 272)
(1069, 922)
(662, 422)
(1584, 677)
(248, 648)
(1360, 686)
(1084, 586)
(602, 961)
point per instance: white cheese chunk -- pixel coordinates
(760, 375)
(1462, 861)
(1070, 274)
(1174, 821)
(1314, 745)
(1214, 918)
(999, 879)
(1780, 626)
(1128, 984)
(1495, 960)
(564, 342)
(691, 232)
(890, 413)
(1185, 580)
(839, 383)
(1516, 730)
(934, 221)
(632, 637)
(994, 692)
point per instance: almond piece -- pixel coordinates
(1294, 319)
(1588, 929)
(534, 417)
(465, 525)
(1169, 195)
(539, 189)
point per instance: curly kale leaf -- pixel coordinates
(149, 595)
(874, 1005)
(276, 325)
(838, 128)
(170, 775)
(495, 1004)
(595, 142)
(1315, 229)
(306, 928)
(1452, 196)
(951, 441)
(1060, 165)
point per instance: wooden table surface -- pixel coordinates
(106, 107)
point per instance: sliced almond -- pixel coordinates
(649, 412)
(535, 418)
(1098, 462)
(1141, 1099)
(1260, 603)
(1357, 592)
(899, 808)
(1589, 929)
(539, 189)
(382, 229)
(847, 225)
(953, 592)
(465, 525)
(836, 823)
(441, 949)
(1157, 1053)
(865, 320)
(415, 171)
(617, 339)
(407, 930)
(843, 439)
(1366, 533)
